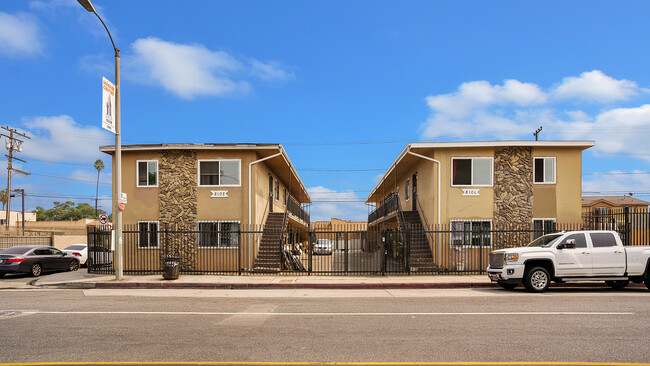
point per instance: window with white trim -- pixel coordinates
(225, 173)
(148, 234)
(543, 227)
(471, 172)
(218, 234)
(474, 233)
(544, 170)
(147, 173)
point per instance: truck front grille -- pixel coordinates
(497, 260)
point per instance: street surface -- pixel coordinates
(449, 325)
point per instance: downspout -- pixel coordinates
(250, 205)
(438, 198)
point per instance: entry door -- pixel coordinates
(270, 193)
(415, 192)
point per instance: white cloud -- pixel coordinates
(481, 111)
(187, 70)
(595, 86)
(60, 138)
(270, 71)
(90, 176)
(20, 35)
(324, 211)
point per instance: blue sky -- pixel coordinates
(343, 85)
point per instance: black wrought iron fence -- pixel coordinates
(228, 248)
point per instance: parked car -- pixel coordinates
(99, 256)
(35, 260)
(596, 255)
(323, 246)
(78, 250)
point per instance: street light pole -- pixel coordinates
(117, 176)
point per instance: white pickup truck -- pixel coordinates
(571, 256)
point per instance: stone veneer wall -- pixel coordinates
(513, 194)
(177, 182)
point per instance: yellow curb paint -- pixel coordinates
(337, 363)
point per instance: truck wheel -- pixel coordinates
(537, 279)
(617, 284)
(507, 286)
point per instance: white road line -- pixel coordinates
(317, 314)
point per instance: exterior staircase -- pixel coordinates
(421, 258)
(268, 256)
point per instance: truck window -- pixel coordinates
(601, 240)
(581, 242)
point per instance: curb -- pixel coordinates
(330, 286)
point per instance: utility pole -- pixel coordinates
(12, 144)
(22, 193)
(537, 132)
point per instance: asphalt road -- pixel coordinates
(578, 325)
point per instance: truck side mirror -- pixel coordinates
(569, 244)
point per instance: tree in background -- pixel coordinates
(66, 211)
(99, 165)
(3, 198)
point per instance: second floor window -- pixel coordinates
(277, 190)
(544, 170)
(147, 173)
(471, 172)
(406, 190)
(219, 173)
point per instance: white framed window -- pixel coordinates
(543, 227)
(544, 170)
(217, 234)
(220, 173)
(471, 233)
(147, 173)
(277, 190)
(148, 235)
(475, 172)
(406, 190)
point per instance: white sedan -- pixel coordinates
(78, 250)
(323, 246)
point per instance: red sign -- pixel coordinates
(121, 206)
(103, 219)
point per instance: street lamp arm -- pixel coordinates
(117, 50)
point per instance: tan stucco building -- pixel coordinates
(469, 189)
(223, 188)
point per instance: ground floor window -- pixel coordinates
(475, 233)
(148, 236)
(543, 227)
(218, 234)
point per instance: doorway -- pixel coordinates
(270, 193)
(415, 192)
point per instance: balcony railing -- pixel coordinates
(386, 207)
(294, 208)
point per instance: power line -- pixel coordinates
(61, 162)
(619, 173)
(71, 179)
(338, 170)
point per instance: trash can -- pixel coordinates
(171, 269)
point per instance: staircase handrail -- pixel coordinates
(425, 222)
(283, 231)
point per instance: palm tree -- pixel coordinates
(99, 165)
(3, 198)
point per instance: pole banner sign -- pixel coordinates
(108, 105)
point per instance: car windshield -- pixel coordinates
(322, 241)
(76, 247)
(545, 241)
(16, 250)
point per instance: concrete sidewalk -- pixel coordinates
(81, 279)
